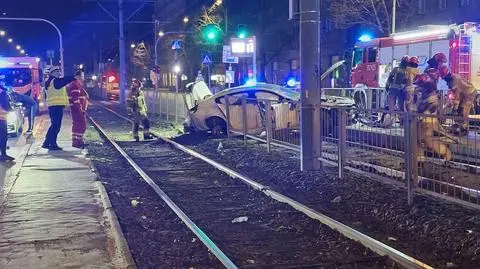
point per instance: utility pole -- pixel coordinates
(121, 44)
(394, 16)
(310, 118)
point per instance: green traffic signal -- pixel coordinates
(211, 33)
(242, 35)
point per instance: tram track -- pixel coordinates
(164, 153)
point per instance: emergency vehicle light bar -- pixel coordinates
(422, 33)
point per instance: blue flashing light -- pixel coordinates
(291, 82)
(365, 38)
(251, 81)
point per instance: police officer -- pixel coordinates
(464, 94)
(137, 108)
(4, 109)
(57, 100)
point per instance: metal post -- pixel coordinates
(209, 77)
(310, 118)
(268, 125)
(244, 119)
(254, 58)
(408, 157)
(167, 104)
(121, 44)
(60, 37)
(227, 112)
(156, 56)
(394, 16)
(342, 140)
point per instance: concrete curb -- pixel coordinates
(118, 249)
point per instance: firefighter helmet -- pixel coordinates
(440, 57)
(136, 83)
(443, 71)
(414, 60)
(405, 58)
(432, 73)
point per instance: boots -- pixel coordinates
(147, 135)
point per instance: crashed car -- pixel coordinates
(207, 112)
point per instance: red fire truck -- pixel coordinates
(374, 59)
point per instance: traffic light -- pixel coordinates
(211, 33)
(242, 31)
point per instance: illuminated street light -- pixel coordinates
(18, 47)
(185, 19)
(2, 33)
(22, 51)
(132, 46)
(10, 40)
(94, 77)
(218, 2)
(161, 33)
(177, 69)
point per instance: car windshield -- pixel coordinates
(17, 77)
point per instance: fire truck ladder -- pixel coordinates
(464, 56)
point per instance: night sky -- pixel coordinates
(82, 42)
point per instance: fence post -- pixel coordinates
(342, 140)
(160, 104)
(268, 125)
(227, 112)
(409, 157)
(168, 101)
(244, 119)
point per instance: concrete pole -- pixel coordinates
(394, 16)
(310, 100)
(121, 44)
(60, 37)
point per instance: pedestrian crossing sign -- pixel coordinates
(206, 59)
(176, 45)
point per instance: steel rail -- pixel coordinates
(369, 242)
(178, 211)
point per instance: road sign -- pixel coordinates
(243, 47)
(176, 45)
(206, 59)
(227, 56)
(50, 54)
(230, 77)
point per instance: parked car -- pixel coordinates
(207, 112)
(15, 120)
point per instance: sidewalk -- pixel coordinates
(53, 215)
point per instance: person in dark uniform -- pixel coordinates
(4, 109)
(57, 100)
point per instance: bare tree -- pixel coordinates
(375, 13)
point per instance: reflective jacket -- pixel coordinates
(136, 102)
(463, 90)
(77, 95)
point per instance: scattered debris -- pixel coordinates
(390, 238)
(134, 202)
(240, 219)
(337, 199)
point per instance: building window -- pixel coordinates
(421, 8)
(442, 4)
(465, 3)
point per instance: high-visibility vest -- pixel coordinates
(3, 114)
(56, 97)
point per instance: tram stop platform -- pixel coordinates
(53, 211)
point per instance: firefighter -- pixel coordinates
(78, 99)
(412, 73)
(138, 110)
(57, 99)
(396, 90)
(464, 95)
(4, 109)
(428, 105)
(436, 61)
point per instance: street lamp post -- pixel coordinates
(60, 37)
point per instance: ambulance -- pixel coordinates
(24, 76)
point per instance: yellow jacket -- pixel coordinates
(463, 90)
(412, 73)
(136, 102)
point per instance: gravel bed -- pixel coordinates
(156, 236)
(441, 234)
(275, 235)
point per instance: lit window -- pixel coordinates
(442, 4)
(421, 8)
(465, 3)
